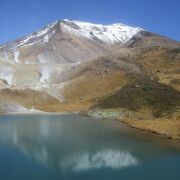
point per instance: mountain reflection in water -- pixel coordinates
(72, 143)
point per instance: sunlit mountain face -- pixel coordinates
(73, 66)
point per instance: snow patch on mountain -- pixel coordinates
(41, 35)
(46, 39)
(48, 36)
(115, 33)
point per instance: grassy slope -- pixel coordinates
(109, 80)
(161, 100)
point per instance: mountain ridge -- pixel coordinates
(86, 41)
(70, 22)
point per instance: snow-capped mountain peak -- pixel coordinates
(115, 33)
(109, 34)
(54, 42)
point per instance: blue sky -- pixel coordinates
(21, 17)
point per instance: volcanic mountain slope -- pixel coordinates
(67, 42)
(75, 66)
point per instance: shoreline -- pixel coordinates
(38, 113)
(169, 129)
(149, 126)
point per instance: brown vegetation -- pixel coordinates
(169, 128)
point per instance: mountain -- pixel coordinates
(73, 41)
(79, 66)
(67, 42)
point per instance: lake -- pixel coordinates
(54, 147)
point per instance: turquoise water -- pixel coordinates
(47, 147)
